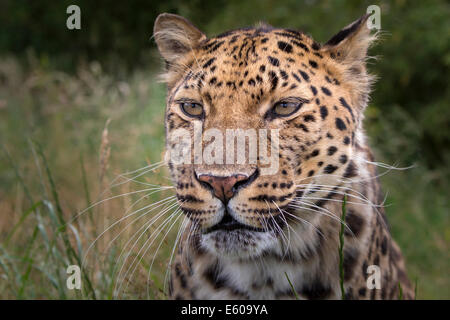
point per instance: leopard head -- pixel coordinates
(303, 100)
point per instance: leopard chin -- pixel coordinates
(233, 239)
(239, 243)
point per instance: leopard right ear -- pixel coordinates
(175, 37)
(349, 49)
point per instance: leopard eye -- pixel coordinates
(192, 109)
(286, 108)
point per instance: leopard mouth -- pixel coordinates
(228, 223)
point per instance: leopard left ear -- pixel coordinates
(176, 38)
(349, 48)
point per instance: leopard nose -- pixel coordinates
(224, 188)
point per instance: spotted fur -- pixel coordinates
(291, 218)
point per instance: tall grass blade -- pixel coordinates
(22, 219)
(73, 257)
(292, 286)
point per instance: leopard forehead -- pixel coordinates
(251, 66)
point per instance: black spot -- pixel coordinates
(362, 292)
(301, 45)
(273, 80)
(384, 246)
(318, 54)
(316, 290)
(251, 82)
(331, 150)
(183, 281)
(346, 140)
(323, 112)
(313, 64)
(350, 258)
(302, 126)
(351, 170)
(217, 46)
(212, 274)
(326, 91)
(315, 46)
(345, 105)
(284, 75)
(231, 84)
(274, 61)
(340, 124)
(262, 68)
(309, 118)
(291, 34)
(354, 222)
(296, 77)
(330, 169)
(314, 90)
(376, 261)
(349, 294)
(208, 63)
(304, 75)
(343, 158)
(315, 153)
(310, 173)
(286, 47)
(213, 80)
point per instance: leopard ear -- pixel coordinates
(352, 42)
(175, 37)
(349, 49)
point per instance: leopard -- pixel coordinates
(314, 229)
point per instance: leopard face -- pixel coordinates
(261, 78)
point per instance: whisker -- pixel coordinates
(331, 188)
(177, 239)
(304, 221)
(148, 246)
(164, 202)
(289, 233)
(161, 188)
(146, 226)
(321, 212)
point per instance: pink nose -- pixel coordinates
(224, 187)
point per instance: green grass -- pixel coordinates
(54, 164)
(292, 286)
(51, 145)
